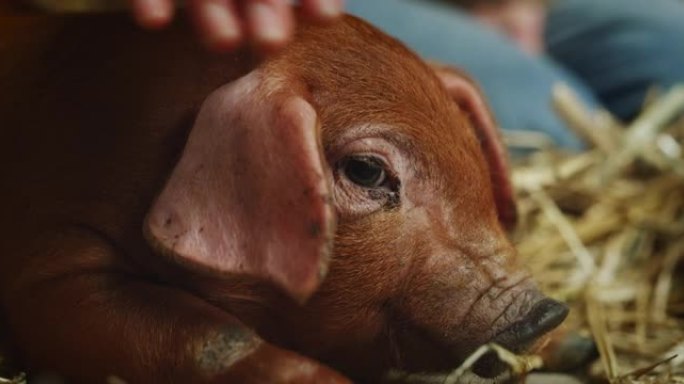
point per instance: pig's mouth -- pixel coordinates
(523, 334)
(519, 337)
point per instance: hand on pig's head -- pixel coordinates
(224, 25)
(397, 166)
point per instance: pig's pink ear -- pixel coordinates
(469, 98)
(249, 195)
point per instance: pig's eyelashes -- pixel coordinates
(365, 171)
(367, 184)
(369, 173)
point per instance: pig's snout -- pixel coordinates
(544, 316)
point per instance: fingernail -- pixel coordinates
(329, 8)
(268, 24)
(153, 13)
(156, 10)
(222, 27)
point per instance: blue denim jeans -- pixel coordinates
(619, 48)
(609, 51)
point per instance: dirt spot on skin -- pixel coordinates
(221, 350)
(315, 229)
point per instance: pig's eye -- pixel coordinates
(365, 183)
(365, 171)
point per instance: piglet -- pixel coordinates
(175, 216)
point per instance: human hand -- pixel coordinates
(226, 24)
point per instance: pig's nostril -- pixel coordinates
(546, 315)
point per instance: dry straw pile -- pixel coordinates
(604, 231)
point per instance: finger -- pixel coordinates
(270, 23)
(323, 10)
(217, 23)
(152, 13)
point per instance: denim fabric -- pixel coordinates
(620, 48)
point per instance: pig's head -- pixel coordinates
(348, 157)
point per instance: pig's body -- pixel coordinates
(95, 115)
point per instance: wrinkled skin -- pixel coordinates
(421, 271)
